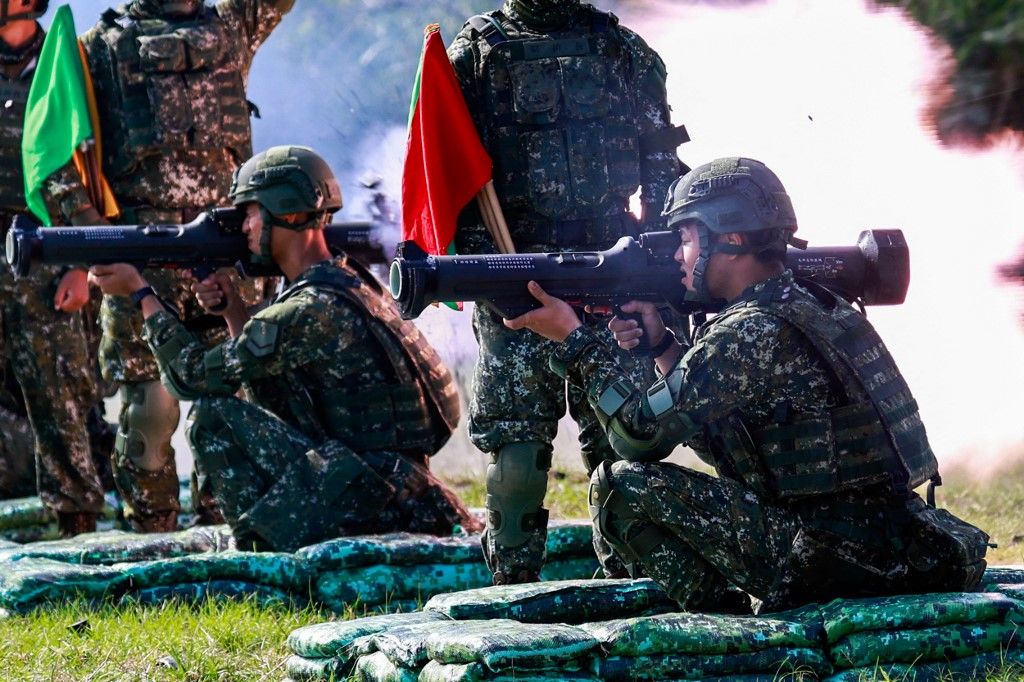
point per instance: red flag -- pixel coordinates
(446, 165)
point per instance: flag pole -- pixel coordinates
(494, 218)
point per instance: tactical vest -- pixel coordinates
(168, 85)
(13, 97)
(559, 119)
(420, 409)
(875, 439)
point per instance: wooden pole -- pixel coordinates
(494, 218)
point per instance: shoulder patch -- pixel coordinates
(261, 337)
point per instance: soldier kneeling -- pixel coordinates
(791, 395)
(348, 401)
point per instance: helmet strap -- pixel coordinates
(265, 257)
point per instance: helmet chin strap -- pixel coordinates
(270, 221)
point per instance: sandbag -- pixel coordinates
(500, 644)
(980, 666)
(943, 643)
(301, 669)
(23, 512)
(776, 662)
(996, 575)
(700, 633)
(845, 616)
(404, 645)
(571, 601)
(114, 546)
(378, 668)
(571, 568)
(192, 593)
(476, 672)
(565, 539)
(273, 569)
(29, 583)
(377, 584)
(328, 640)
(402, 549)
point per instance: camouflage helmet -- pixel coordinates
(15, 10)
(287, 179)
(731, 195)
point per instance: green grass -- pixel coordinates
(225, 642)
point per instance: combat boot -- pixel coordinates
(160, 522)
(70, 524)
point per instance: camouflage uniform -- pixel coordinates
(349, 403)
(817, 443)
(45, 349)
(171, 97)
(574, 115)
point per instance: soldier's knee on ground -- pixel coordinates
(148, 419)
(613, 517)
(517, 479)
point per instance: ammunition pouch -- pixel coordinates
(947, 552)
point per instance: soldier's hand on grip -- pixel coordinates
(217, 294)
(627, 332)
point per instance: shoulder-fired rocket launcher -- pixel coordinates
(213, 240)
(876, 271)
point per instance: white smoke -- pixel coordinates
(830, 95)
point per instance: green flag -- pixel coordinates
(57, 113)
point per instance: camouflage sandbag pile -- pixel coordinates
(398, 570)
(403, 567)
(28, 582)
(940, 636)
(697, 646)
(619, 630)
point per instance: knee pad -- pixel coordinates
(148, 418)
(517, 479)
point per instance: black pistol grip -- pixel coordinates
(643, 346)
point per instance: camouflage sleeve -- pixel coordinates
(660, 164)
(67, 200)
(254, 20)
(462, 53)
(301, 331)
(719, 375)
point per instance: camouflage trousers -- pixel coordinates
(46, 351)
(700, 537)
(280, 490)
(150, 489)
(517, 398)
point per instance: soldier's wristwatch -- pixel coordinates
(142, 293)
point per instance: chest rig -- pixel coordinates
(417, 409)
(875, 439)
(169, 85)
(13, 97)
(559, 118)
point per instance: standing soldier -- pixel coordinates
(41, 342)
(572, 108)
(170, 80)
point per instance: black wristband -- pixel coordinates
(142, 293)
(667, 340)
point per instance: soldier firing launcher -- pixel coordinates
(213, 240)
(875, 272)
